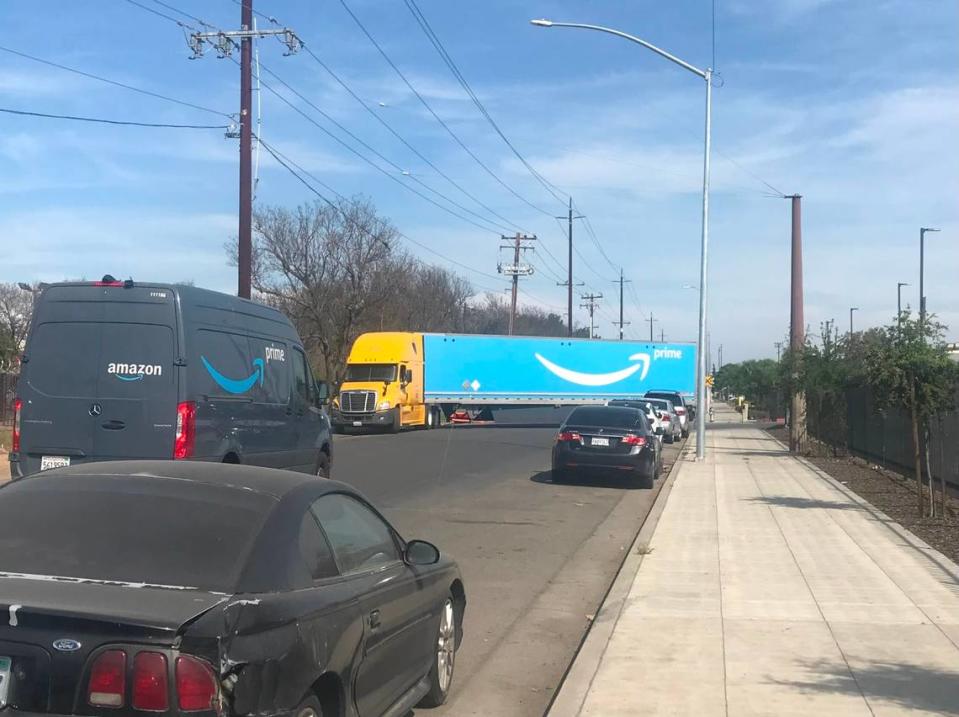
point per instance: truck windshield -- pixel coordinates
(371, 372)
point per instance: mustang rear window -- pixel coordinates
(132, 529)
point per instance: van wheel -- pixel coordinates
(323, 465)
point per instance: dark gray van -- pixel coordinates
(119, 370)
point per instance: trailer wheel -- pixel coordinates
(432, 417)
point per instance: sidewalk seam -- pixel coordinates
(812, 594)
(719, 569)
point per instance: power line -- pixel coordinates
(289, 165)
(204, 23)
(101, 120)
(115, 83)
(376, 152)
(163, 15)
(430, 109)
(448, 60)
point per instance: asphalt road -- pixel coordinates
(537, 558)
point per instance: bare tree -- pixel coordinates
(16, 308)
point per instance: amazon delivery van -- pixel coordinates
(399, 379)
(122, 370)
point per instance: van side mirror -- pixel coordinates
(322, 393)
(660, 431)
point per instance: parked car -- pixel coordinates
(117, 370)
(657, 421)
(609, 439)
(679, 404)
(673, 426)
(216, 590)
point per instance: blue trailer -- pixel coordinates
(484, 371)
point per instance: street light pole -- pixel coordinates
(922, 252)
(706, 75)
(899, 286)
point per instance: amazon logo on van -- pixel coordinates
(134, 371)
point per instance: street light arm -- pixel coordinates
(599, 28)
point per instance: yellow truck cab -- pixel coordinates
(384, 384)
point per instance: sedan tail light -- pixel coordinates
(633, 440)
(108, 678)
(566, 436)
(185, 437)
(15, 440)
(150, 682)
(196, 685)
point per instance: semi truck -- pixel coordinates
(400, 379)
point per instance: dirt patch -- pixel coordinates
(892, 493)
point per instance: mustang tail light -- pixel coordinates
(196, 685)
(185, 437)
(15, 440)
(151, 686)
(567, 436)
(108, 678)
(631, 439)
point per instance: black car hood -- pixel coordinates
(149, 606)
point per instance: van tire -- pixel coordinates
(323, 468)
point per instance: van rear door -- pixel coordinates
(101, 376)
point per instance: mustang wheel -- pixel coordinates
(441, 674)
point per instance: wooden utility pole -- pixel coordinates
(569, 269)
(590, 306)
(621, 323)
(515, 270)
(225, 43)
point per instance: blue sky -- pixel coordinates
(855, 105)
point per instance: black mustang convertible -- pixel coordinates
(163, 588)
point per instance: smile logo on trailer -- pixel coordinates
(598, 379)
(235, 385)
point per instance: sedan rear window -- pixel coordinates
(129, 529)
(605, 416)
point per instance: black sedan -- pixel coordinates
(169, 588)
(608, 438)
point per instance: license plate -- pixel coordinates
(599, 442)
(4, 680)
(48, 462)
(357, 423)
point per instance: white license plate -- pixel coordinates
(599, 442)
(357, 423)
(48, 462)
(4, 680)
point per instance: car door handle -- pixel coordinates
(375, 620)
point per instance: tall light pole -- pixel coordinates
(707, 76)
(922, 261)
(851, 309)
(899, 286)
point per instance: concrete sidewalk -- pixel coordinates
(770, 589)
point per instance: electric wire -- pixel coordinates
(116, 83)
(195, 19)
(103, 120)
(435, 116)
(184, 25)
(451, 64)
(288, 164)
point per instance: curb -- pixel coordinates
(575, 684)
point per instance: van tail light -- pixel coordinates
(15, 441)
(631, 439)
(108, 678)
(567, 436)
(185, 437)
(150, 682)
(196, 685)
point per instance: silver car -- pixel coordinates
(671, 420)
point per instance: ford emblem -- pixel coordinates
(66, 645)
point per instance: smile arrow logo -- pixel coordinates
(598, 379)
(233, 385)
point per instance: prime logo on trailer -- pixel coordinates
(134, 371)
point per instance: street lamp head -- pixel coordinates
(24, 285)
(541, 23)
(929, 229)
